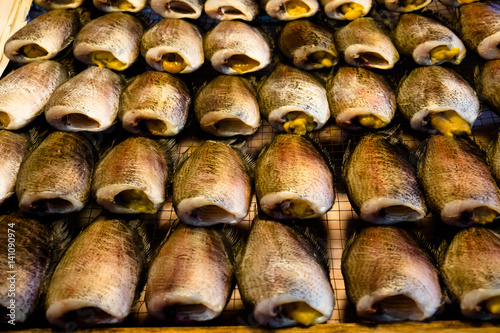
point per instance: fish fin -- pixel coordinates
(234, 242)
(347, 247)
(147, 22)
(441, 252)
(387, 20)
(36, 133)
(347, 156)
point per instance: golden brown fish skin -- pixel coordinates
(97, 279)
(52, 31)
(416, 36)
(112, 6)
(355, 92)
(14, 147)
(470, 270)
(155, 97)
(194, 195)
(480, 21)
(489, 84)
(55, 177)
(30, 263)
(232, 9)
(364, 43)
(456, 181)
(335, 8)
(173, 36)
(117, 33)
(177, 8)
(287, 10)
(291, 169)
(227, 106)
(25, 91)
(58, 4)
(383, 261)
(301, 39)
(278, 266)
(379, 175)
(404, 6)
(88, 101)
(137, 163)
(195, 266)
(493, 158)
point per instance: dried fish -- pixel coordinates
(232, 9)
(227, 106)
(111, 6)
(14, 147)
(404, 6)
(489, 84)
(346, 9)
(286, 10)
(456, 3)
(177, 8)
(58, 4)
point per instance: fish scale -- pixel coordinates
(14, 148)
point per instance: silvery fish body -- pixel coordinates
(155, 103)
(457, 183)
(360, 99)
(346, 9)
(177, 8)
(58, 4)
(290, 10)
(212, 186)
(404, 6)
(480, 28)
(88, 101)
(55, 177)
(110, 41)
(227, 106)
(470, 268)
(191, 277)
(294, 101)
(389, 277)
(283, 278)
(25, 91)
(234, 47)
(308, 45)
(174, 46)
(427, 41)
(98, 278)
(382, 182)
(132, 176)
(437, 99)
(14, 147)
(293, 180)
(111, 6)
(232, 9)
(489, 83)
(365, 44)
(44, 37)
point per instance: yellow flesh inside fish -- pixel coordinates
(33, 51)
(301, 313)
(449, 123)
(173, 63)
(105, 59)
(151, 126)
(4, 119)
(296, 208)
(321, 57)
(493, 305)
(351, 10)
(120, 4)
(480, 215)
(296, 8)
(411, 4)
(299, 123)
(443, 53)
(371, 121)
(136, 200)
(242, 63)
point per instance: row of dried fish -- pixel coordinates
(392, 275)
(452, 179)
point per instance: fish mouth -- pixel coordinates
(231, 125)
(172, 62)
(370, 59)
(121, 4)
(241, 63)
(463, 213)
(392, 214)
(150, 126)
(229, 10)
(4, 119)
(320, 59)
(397, 307)
(179, 7)
(295, 8)
(211, 214)
(136, 200)
(88, 316)
(290, 209)
(51, 205)
(32, 51)
(80, 121)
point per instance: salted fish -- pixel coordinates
(346, 9)
(100, 276)
(174, 46)
(155, 103)
(456, 3)
(457, 182)
(382, 182)
(132, 176)
(365, 44)
(234, 47)
(427, 41)
(44, 37)
(489, 84)
(389, 276)
(177, 8)
(232, 9)
(88, 101)
(192, 275)
(55, 177)
(111, 6)
(58, 4)
(26, 270)
(110, 41)
(470, 268)
(283, 276)
(293, 180)
(360, 99)
(294, 101)
(493, 158)
(227, 106)
(25, 91)
(404, 6)
(286, 10)
(14, 147)
(437, 99)
(212, 186)
(480, 28)
(308, 45)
